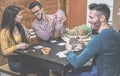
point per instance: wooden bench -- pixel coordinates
(5, 69)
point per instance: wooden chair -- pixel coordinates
(33, 38)
(5, 69)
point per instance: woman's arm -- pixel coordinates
(5, 44)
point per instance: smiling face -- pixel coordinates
(19, 17)
(37, 12)
(94, 20)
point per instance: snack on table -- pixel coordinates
(83, 31)
(46, 50)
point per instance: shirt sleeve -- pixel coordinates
(5, 48)
(90, 51)
(59, 28)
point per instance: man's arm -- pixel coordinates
(90, 51)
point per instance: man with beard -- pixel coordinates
(104, 47)
(46, 26)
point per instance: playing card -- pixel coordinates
(62, 54)
(61, 44)
(38, 47)
(53, 41)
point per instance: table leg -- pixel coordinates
(22, 68)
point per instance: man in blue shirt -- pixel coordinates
(105, 47)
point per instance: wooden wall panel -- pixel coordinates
(0, 14)
(50, 6)
(76, 12)
(116, 19)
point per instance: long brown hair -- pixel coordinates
(8, 22)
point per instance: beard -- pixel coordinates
(96, 25)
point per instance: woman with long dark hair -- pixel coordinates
(12, 35)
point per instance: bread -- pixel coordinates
(46, 50)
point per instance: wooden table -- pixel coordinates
(34, 57)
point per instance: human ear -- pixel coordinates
(102, 18)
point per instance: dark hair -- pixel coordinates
(33, 4)
(8, 22)
(103, 8)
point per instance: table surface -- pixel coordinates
(55, 63)
(55, 48)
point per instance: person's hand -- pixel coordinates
(80, 39)
(22, 46)
(53, 17)
(79, 47)
(68, 46)
(63, 19)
